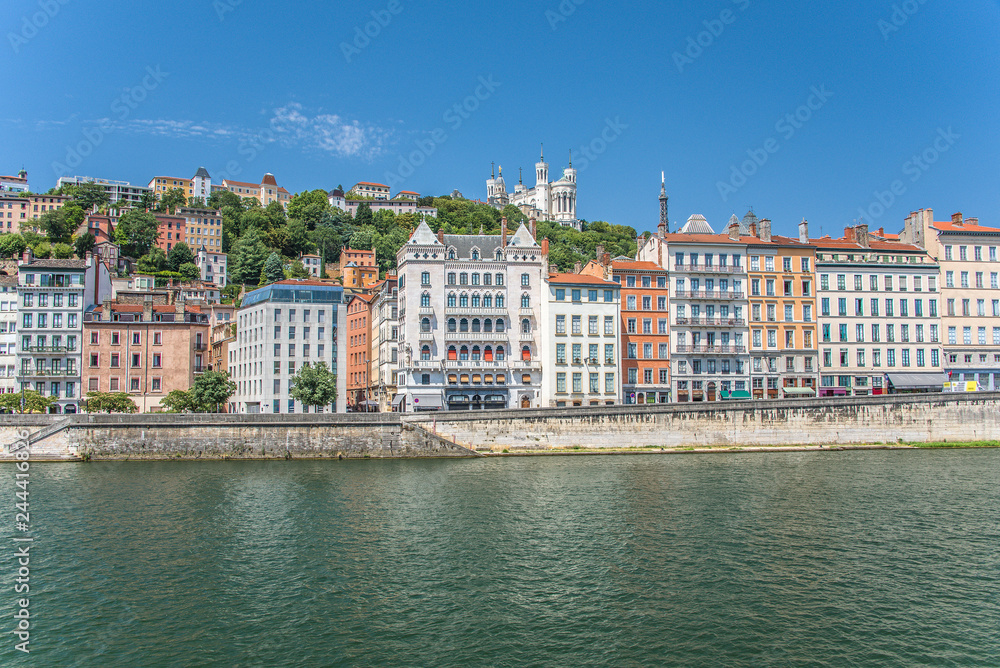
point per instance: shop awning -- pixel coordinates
(735, 395)
(932, 381)
(398, 400)
(427, 402)
(799, 391)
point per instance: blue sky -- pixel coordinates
(697, 90)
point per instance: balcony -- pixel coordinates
(530, 312)
(526, 336)
(469, 310)
(200, 369)
(713, 350)
(721, 295)
(475, 364)
(200, 347)
(526, 364)
(476, 337)
(50, 350)
(426, 336)
(711, 322)
(708, 269)
(426, 310)
(46, 373)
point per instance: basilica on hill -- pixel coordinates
(549, 201)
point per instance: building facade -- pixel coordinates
(203, 227)
(54, 296)
(359, 346)
(145, 350)
(15, 184)
(14, 211)
(214, 266)
(358, 268)
(171, 230)
(8, 334)
(119, 192)
(279, 328)
(385, 342)
(265, 192)
(580, 341)
(879, 316)
(463, 304)
(970, 292)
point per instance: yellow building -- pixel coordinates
(163, 184)
(265, 192)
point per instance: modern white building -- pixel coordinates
(15, 184)
(280, 328)
(580, 336)
(8, 334)
(54, 294)
(879, 316)
(118, 191)
(549, 201)
(469, 309)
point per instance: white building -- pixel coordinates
(201, 184)
(402, 202)
(8, 334)
(280, 328)
(54, 296)
(580, 337)
(879, 316)
(545, 201)
(313, 264)
(214, 266)
(385, 342)
(118, 191)
(15, 184)
(469, 310)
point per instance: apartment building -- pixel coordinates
(14, 211)
(214, 266)
(15, 184)
(385, 342)
(146, 350)
(580, 341)
(460, 296)
(54, 295)
(644, 326)
(359, 347)
(970, 292)
(203, 228)
(265, 192)
(171, 230)
(708, 309)
(782, 309)
(119, 192)
(313, 264)
(280, 328)
(8, 334)
(376, 196)
(358, 268)
(879, 316)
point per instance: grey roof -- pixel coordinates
(750, 218)
(423, 236)
(697, 224)
(52, 263)
(522, 237)
(8, 281)
(202, 172)
(464, 243)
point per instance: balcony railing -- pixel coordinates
(712, 322)
(709, 269)
(469, 310)
(46, 373)
(51, 350)
(475, 364)
(708, 294)
(713, 350)
(200, 369)
(476, 336)
(200, 347)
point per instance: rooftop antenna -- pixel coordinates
(543, 152)
(571, 158)
(493, 170)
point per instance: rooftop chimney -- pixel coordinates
(956, 218)
(545, 246)
(577, 267)
(553, 269)
(147, 308)
(179, 308)
(972, 221)
(441, 235)
(734, 231)
(753, 229)
(861, 236)
(503, 232)
(534, 227)
(849, 233)
(107, 309)
(661, 229)
(765, 230)
(804, 231)
(599, 251)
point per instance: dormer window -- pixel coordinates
(499, 255)
(475, 255)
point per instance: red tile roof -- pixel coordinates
(635, 265)
(580, 279)
(369, 183)
(949, 226)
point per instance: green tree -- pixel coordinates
(136, 233)
(84, 244)
(178, 401)
(298, 270)
(110, 402)
(178, 255)
(60, 224)
(147, 201)
(247, 258)
(33, 402)
(364, 215)
(62, 251)
(311, 207)
(275, 214)
(272, 271)
(42, 250)
(12, 245)
(154, 261)
(172, 199)
(189, 271)
(364, 238)
(297, 241)
(90, 195)
(197, 203)
(223, 198)
(211, 391)
(314, 385)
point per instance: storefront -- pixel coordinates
(916, 382)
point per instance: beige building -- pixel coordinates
(970, 292)
(265, 192)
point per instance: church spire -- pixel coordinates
(571, 158)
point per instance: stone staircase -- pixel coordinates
(50, 444)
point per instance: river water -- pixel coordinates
(873, 558)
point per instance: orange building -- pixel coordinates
(171, 231)
(645, 326)
(358, 268)
(144, 349)
(359, 350)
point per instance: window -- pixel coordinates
(592, 325)
(560, 353)
(560, 294)
(560, 382)
(560, 324)
(525, 280)
(578, 382)
(136, 360)
(609, 325)
(609, 353)
(136, 338)
(577, 327)
(575, 294)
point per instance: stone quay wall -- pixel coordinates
(790, 422)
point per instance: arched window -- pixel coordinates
(452, 325)
(425, 325)
(487, 301)
(463, 353)
(526, 326)
(476, 325)
(452, 353)
(451, 300)
(475, 301)
(451, 254)
(487, 325)
(488, 354)
(476, 354)
(425, 353)
(500, 325)
(463, 325)
(500, 353)
(525, 301)
(463, 301)
(499, 301)
(526, 353)
(499, 255)
(425, 299)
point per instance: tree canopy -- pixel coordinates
(314, 385)
(136, 233)
(110, 402)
